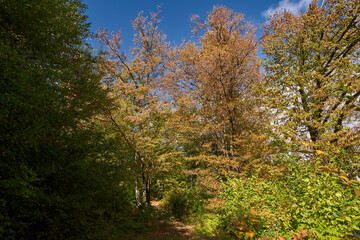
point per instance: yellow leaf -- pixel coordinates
(241, 228)
(357, 192)
(339, 171)
(320, 152)
(345, 179)
(355, 181)
(250, 234)
(325, 169)
(328, 169)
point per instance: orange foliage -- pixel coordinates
(213, 86)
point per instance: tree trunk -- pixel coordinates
(147, 191)
(138, 193)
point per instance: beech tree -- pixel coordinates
(212, 83)
(139, 115)
(312, 65)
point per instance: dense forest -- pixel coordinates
(238, 135)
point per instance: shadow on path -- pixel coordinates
(166, 228)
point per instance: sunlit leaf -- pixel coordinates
(357, 191)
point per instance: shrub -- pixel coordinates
(178, 202)
(298, 200)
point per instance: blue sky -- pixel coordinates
(116, 15)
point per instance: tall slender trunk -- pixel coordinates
(138, 185)
(138, 192)
(146, 181)
(147, 191)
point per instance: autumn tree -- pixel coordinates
(312, 65)
(138, 116)
(212, 83)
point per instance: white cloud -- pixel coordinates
(293, 6)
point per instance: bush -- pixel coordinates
(295, 201)
(178, 202)
(208, 226)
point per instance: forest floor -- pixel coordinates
(167, 228)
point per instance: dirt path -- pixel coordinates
(171, 229)
(167, 228)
